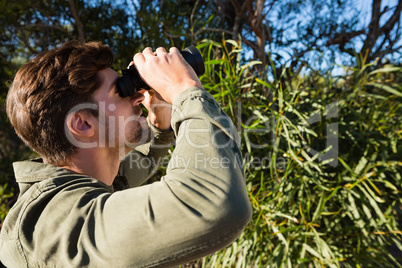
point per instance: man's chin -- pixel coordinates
(142, 120)
(142, 136)
(146, 131)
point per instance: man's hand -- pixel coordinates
(167, 73)
(159, 111)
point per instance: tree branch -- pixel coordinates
(381, 54)
(375, 31)
(217, 30)
(374, 26)
(394, 19)
(343, 38)
(24, 39)
(255, 17)
(78, 22)
(55, 27)
(238, 21)
(193, 11)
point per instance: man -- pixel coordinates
(65, 105)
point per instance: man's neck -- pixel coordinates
(99, 163)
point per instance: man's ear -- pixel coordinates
(81, 123)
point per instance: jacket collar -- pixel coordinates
(31, 171)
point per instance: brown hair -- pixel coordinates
(45, 89)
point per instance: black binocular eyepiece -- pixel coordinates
(131, 82)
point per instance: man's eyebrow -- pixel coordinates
(114, 82)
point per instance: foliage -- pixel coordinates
(294, 31)
(5, 195)
(169, 23)
(321, 160)
(30, 27)
(321, 152)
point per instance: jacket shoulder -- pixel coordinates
(40, 213)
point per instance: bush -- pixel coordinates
(321, 160)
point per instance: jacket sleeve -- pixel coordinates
(199, 207)
(142, 162)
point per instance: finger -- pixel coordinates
(158, 96)
(174, 50)
(160, 51)
(153, 93)
(131, 63)
(138, 59)
(147, 97)
(148, 52)
(147, 102)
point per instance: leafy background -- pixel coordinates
(314, 88)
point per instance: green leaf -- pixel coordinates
(250, 64)
(360, 166)
(386, 70)
(313, 252)
(213, 62)
(373, 204)
(386, 88)
(320, 207)
(279, 235)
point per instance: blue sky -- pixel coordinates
(364, 6)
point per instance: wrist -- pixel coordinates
(183, 88)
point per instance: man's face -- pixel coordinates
(120, 121)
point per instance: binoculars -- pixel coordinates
(131, 82)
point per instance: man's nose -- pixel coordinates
(137, 99)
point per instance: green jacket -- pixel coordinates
(64, 219)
